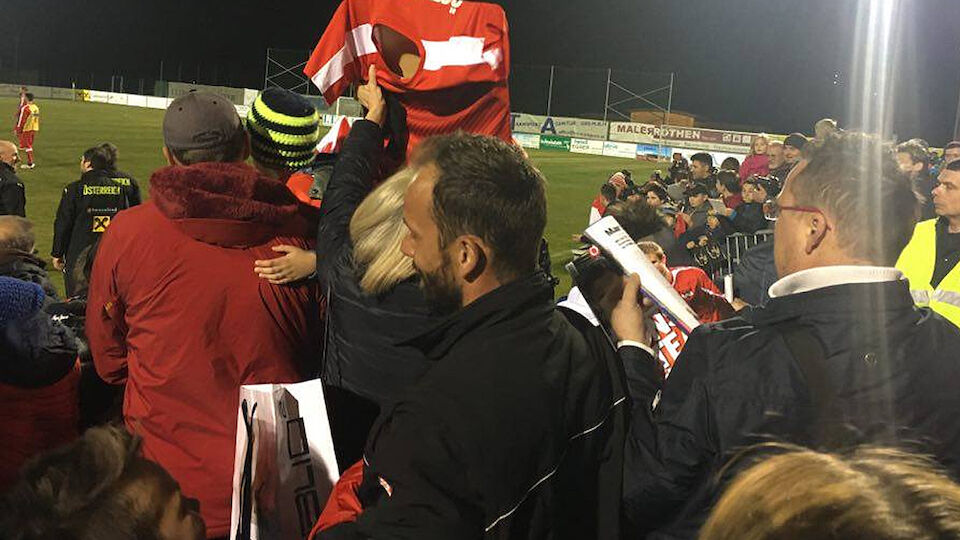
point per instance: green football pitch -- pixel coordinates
(68, 128)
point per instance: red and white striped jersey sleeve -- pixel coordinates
(461, 80)
(24, 116)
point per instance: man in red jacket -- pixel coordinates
(175, 312)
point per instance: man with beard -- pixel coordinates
(515, 431)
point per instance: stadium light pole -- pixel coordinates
(550, 91)
(606, 103)
(666, 119)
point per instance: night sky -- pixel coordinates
(771, 64)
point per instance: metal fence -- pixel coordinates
(146, 80)
(550, 90)
(589, 92)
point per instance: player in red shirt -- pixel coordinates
(23, 101)
(700, 293)
(693, 284)
(28, 124)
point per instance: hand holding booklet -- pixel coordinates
(619, 248)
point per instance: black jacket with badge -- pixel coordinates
(13, 199)
(509, 436)
(86, 208)
(892, 378)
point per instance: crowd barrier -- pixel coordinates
(736, 245)
(739, 243)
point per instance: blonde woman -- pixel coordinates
(374, 301)
(757, 163)
(875, 493)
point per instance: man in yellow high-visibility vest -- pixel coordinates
(931, 261)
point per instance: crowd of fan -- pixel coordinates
(704, 205)
(464, 402)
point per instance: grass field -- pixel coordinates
(68, 128)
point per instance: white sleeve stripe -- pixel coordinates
(359, 42)
(554, 470)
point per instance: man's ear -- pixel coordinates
(471, 257)
(168, 155)
(816, 231)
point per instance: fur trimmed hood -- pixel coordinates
(226, 204)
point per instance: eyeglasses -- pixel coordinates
(772, 211)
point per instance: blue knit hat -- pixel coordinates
(18, 299)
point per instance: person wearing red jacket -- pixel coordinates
(175, 312)
(39, 377)
(757, 163)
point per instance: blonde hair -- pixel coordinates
(753, 145)
(377, 230)
(876, 493)
(650, 248)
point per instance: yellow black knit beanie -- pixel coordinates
(284, 129)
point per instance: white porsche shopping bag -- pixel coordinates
(285, 466)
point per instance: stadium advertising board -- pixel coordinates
(553, 142)
(526, 140)
(634, 132)
(560, 126)
(237, 96)
(652, 151)
(619, 149)
(707, 139)
(586, 146)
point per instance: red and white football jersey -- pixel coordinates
(701, 294)
(706, 300)
(461, 82)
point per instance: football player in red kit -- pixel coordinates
(693, 284)
(28, 124)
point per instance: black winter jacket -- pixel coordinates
(508, 436)
(363, 353)
(749, 218)
(13, 199)
(737, 383)
(755, 274)
(36, 351)
(27, 267)
(86, 208)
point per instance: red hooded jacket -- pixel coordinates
(176, 311)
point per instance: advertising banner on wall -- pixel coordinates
(552, 142)
(582, 128)
(707, 139)
(645, 151)
(633, 132)
(586, 146)
(527, 140)
(238, 96)
(619, 149)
